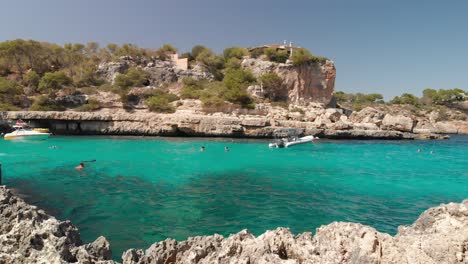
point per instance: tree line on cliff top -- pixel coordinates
(32, 73)
(430, 98)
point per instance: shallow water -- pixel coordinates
(142, 190)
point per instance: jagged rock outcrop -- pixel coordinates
(440, 235)
(109, 70)
(161, 72)
(306, 83)
(29, 235)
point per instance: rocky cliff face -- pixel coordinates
(439, 235)
(305, 83)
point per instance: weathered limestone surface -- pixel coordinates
(330, 123)
(439, 235)
(29, 235)
(305, 83)
(398, 122)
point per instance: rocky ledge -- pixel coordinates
(328, 123)
(439, 235)
(29, 235)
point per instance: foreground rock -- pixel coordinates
(29, 235)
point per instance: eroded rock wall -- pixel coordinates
(313, 82)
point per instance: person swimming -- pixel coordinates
(226, 148)
(80, 167)
(202, 148)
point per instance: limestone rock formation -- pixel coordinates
(398, 122)
(323, 123)
(305, 83)
(161, 72)
(440, 235)
(29, 235)
(109, 70)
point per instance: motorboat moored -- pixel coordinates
(291, 141)
(22, 132)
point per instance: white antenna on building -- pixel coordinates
(290, 49)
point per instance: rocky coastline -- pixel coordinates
(369, 123)
(439, 235)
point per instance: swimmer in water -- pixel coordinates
(80, 167)
(202, 148)
(226, 148)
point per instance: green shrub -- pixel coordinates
(212, 102)
(52, 81)
(190, 92)
(238, 78)
(159, 104)
(405, 98)
(196, 50)
(233, 64)
(8, 107)
(43, 103)
(211, 62)
(319, 59)
(273, 87)
(235, 83)
(301, 56)
(280, 56)
(11, 93)
(235, 52)
(239, 96)
(31, 79)
(359, 100)
(90, 106)
(159, 101)
(255, 53)
(134, 77)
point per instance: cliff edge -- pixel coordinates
(439, 235)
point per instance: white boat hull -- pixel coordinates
(287, 143)
(26, 135)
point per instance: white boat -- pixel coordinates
(291, 141)
(22, 132)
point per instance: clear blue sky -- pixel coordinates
(387, 47)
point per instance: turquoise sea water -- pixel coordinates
(142, 190)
